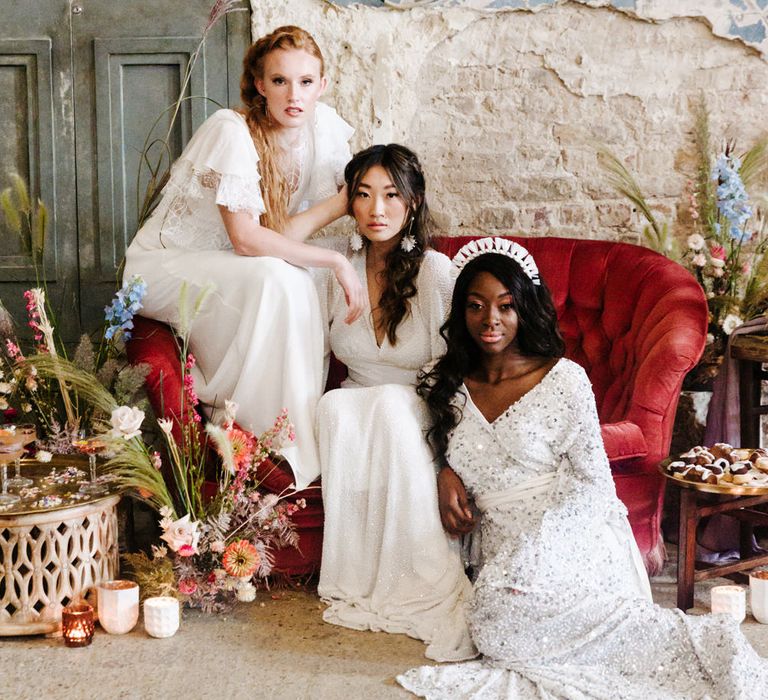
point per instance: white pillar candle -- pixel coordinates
(731, 600)
(758, 595)
(161, 616)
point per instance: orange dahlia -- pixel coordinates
(240, 559)
(243, 444)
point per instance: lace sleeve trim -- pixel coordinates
(192, 219)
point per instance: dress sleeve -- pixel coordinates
(328, 291)
(221, 156)
(219, 166)
(435, 290)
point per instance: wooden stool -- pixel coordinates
(699, 501)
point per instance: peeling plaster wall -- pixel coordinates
(502, 105)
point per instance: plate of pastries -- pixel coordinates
(721, 468)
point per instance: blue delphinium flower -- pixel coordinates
(127, 302)
(732, 198)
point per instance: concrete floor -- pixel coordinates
(277, 647)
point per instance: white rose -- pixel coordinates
(699, 260)
(5, 388)
(731, 323)
(717, 263)
(126, 422)
(43, 456)
(695, 241)
(181, 532)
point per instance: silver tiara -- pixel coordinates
(502, 246)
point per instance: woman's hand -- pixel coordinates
(455, 512)
(353, 289)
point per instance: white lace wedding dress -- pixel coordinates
(387, 563)
(561, 605)
(258, 339)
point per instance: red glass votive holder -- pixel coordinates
(77, 625)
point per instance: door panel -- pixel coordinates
(90, 79)
(136, 81)
(34, 110)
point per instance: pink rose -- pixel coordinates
(718, 252)
(187, 586)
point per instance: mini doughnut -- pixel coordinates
(721, 449)
(704, 457)
(761, 463)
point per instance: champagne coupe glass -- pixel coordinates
(29, 433)
(11, 447)
(90, 446)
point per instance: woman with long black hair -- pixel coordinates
(387, 563)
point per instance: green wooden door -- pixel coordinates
(83, 81)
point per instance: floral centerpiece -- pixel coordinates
(215, 550)
(727, 239)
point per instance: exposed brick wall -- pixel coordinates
(502, 106)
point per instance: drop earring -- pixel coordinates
(356, 242)
(408, 241)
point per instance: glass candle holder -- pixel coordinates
(77, 625)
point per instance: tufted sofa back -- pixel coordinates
(633, 319)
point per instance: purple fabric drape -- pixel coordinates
(723, 416)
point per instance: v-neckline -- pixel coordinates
(514, 404)
(369, 316)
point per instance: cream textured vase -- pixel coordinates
(118, 605)
(161, 616)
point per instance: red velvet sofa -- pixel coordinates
(633, 319)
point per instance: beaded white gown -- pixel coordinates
(561, 606)
(258, 339)
(387, 563)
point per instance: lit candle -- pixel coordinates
(161, 616)
(77, 625)
(731, 600)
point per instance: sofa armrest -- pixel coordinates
(623, 440)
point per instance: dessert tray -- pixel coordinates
(722, 468)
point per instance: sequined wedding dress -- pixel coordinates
(561, 606)
(387, 563)
(258, 339)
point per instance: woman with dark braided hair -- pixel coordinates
(246, 192)
(561, 607)
(387, 563)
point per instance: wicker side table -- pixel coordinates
(51, 556)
